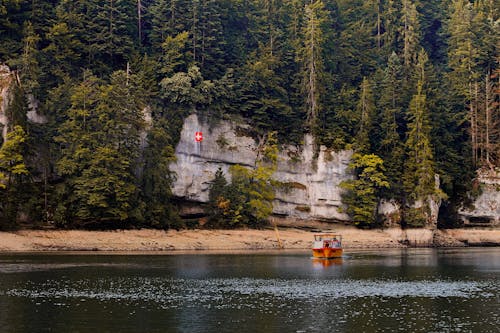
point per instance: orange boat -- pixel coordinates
(327, 245)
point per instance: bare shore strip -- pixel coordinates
(248, 239)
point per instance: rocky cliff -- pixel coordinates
(312, 182)
(311, 188)
(485, 208)
(8, 81)
(6, 78)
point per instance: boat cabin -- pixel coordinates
(327, 241)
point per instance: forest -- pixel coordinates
(100, 89)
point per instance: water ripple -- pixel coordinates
(170, 292)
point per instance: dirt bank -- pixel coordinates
(289, 238)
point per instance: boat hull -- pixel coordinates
(327, 253)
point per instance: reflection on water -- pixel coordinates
(419, 290)
(319, 262)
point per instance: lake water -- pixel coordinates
(406, 290)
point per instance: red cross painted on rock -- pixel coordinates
(198, 136)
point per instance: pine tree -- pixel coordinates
(62, 53)
(207, 39)
(173, 58)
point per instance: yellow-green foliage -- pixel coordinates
(248, 199)
(361, 196)
(11, 158)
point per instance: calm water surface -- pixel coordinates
(413, 290)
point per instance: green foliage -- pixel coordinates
(100, 141)
(416, 217)
(346, 72)
(419, 174)
(13, 176)
(362, 194)
(173, 58)
(157, 179)
(247, 200)
(365, 109)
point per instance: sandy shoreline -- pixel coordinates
(289, 238)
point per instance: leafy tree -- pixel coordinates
(248, 199)
(362, 193)
(225, 204)
(13, 176)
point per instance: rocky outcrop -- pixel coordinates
(485, 208)
(389, 212)
(8, 79)
(310, 183)
(5, 96)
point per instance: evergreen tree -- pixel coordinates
(30, 66)
(207, 38)
(158, 179)
(262, 97)
(100, 143)
(173, 58)
(390, 147)
(366, 113)
(62, 53)
(410, 32)
(419, 178)
(311, 58)
(115, 31)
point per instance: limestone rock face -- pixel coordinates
(390, 212)
(311, 183)
(7, 81)
(485, 210)
(5, 96)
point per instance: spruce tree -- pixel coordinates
(390, 147)
(366, 112)
(311, 58)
